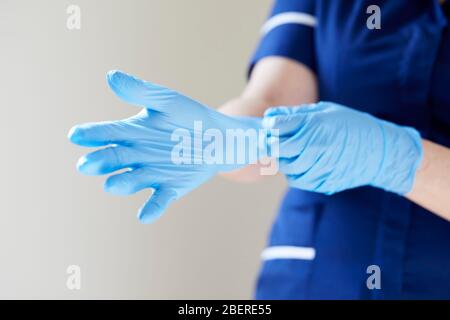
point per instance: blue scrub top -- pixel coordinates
(321, 246)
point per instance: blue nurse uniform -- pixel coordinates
(320, 246)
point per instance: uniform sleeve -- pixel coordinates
(288, 32)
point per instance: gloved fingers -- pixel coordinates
(304, 181)
(295, 143)
(289, 120)
(108, 160)
(319, 181)
(283, 111)
(294, 110)
(132, 181)
(296, 165)
(284, 125)
(144, 94)
(156, 205)
(99, 134)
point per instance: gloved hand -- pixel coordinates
(328, 148)
(165, 147)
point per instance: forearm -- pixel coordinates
(274, 81)
(431, 188)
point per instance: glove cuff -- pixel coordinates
(245, 142)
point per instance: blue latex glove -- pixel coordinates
(143, 144)
(328, 148)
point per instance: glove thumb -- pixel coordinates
(141, 93)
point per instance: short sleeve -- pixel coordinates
(288, 32)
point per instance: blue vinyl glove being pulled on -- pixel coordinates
(162, 147)
(328, 148)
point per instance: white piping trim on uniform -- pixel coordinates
(288, 252)
(289, 17)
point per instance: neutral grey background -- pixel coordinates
(208, 244)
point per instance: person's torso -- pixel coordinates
(400, 73)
